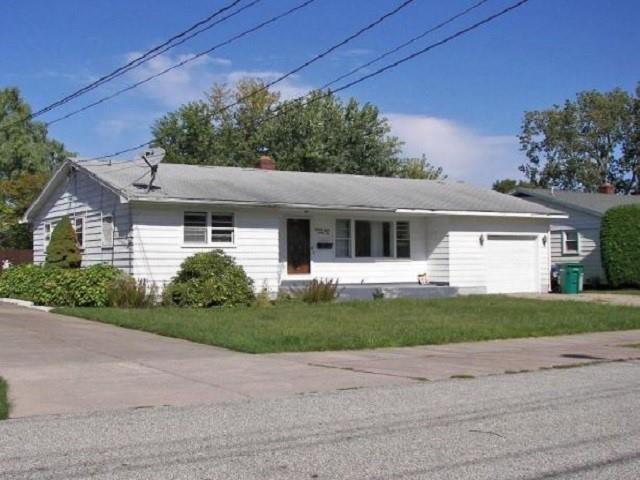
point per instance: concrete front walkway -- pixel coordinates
(57, 364)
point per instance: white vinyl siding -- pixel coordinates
(437, 246)
(159, 247)
(468, 237)
(80, 196)
(328, 263)
(588, 226)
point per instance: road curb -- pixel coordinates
(26, 304)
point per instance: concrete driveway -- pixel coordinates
(58, 364)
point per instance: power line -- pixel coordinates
(405, 44)
(183, 62)
(141, 59)
(379, 71)
(262, 88)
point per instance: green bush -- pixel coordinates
(86, 287)
(317, 291)
(620, 246)
(209, 279)
(63, 250)
(126, 292)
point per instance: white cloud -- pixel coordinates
(463, 153)
(190, 81)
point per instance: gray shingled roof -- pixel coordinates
(597, 203)
(246, 185)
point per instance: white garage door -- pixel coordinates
(512, 264)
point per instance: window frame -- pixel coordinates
(209, 229)
(205, 227)
(113, 231)
(212, 229)
(349, 238)
(47, 228)
(83, 230)
(408, 239)
(393, 246)
(570, 252)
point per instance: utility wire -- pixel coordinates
(262, 88)
(405, 44)
(381, 70)
(141, 59)
(184, 62)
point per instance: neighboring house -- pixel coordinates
(295, 226)
(576, 239)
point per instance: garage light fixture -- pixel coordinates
(481, 239)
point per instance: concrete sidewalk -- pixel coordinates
(57, 364)
(440, 362)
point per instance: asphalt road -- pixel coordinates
(579, 423)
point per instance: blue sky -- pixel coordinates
(461, 104)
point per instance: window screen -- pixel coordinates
(195, 227)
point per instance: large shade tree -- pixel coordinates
(27, 157)
(585, 142)
(319, 133)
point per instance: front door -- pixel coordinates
(298, 246)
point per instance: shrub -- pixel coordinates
(63, 250)
(87, 287)
(317, 291)
(209, 279)
(620, 246)
(126, 292)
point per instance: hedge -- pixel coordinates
(620, 246)
(85, 287)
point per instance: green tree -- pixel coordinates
(319, 134)
(582, 144)
(420, 169)
(16, 195)
(507, 185)
(24, 144)
(63, 250)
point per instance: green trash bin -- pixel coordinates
(571, 278)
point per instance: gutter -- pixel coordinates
(303, 206)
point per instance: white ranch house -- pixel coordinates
(285, 227)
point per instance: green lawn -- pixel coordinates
(297, 327)
(621, 292)
(5, 406)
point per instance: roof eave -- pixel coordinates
(559, 202)
(304, 206)
(67, 166)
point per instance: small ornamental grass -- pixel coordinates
(209, 279)
(318, 291)
(126, 292)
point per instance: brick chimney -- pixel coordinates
(265, 162)
(607, 189)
